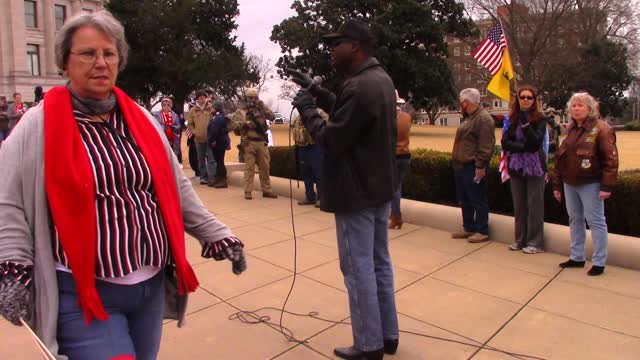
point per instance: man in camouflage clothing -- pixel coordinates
(250, 123)
(309, 156)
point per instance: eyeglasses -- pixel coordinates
(91, 56)
(523, 97)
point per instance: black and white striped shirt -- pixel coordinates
(131, 232)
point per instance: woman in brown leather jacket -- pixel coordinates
(403, 160)
(587, 168)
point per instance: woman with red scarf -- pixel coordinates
(170, 122)
(94, 209)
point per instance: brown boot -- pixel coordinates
(222, 183)
(247, 195)
(211, 183)
(269, 195)
(395, 222)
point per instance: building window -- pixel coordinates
(30, 18)
(483, 90)
(33, 59)
(61, 15)
(456, 51)
(467, 50)
(466, 65)
(495, 104)
(456, 66)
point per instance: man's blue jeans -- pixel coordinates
(473, 199)
(583, 202)
(363, 248)
(206, 162)
(310, 157)
(134, 326)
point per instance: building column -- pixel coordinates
(76, 7)
(49, 63)
(18, 67)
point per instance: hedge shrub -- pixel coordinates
(430, 179)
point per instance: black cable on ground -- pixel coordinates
(253, 317)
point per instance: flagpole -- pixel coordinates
(506, 43)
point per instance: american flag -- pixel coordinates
(489, 52)
(504, 171)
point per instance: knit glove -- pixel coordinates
(15, 300)
(235, 254)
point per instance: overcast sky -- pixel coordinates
(256, 20)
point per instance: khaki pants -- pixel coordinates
(256, 153)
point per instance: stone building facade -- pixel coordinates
(27, 34)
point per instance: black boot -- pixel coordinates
(390, 346)
(351, 353)
(595, 270)
(571, 264)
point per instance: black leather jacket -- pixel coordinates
(534, 138)
(359, 141)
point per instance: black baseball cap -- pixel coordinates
(353, 30)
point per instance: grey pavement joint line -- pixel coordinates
(442, 267)
(585, 323)
(514, 316)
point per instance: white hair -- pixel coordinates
(101, 20)
(586, 99)
(470, 94)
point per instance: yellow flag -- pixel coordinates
(500, 84)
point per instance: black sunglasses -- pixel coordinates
(523, 97)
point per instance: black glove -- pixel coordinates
(235, 254)
(15, 300)
(303, 101)
(299, 78)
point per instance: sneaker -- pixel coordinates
(318, 204)
(269, 195)
(461, 235)
(478, 238)
(306, 202)
(204, 182)
(532, 250)
(515, 247)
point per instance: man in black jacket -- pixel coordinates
(359, 143)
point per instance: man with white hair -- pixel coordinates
(472, 150)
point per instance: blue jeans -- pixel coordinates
(134, 326)
(310, 158)
(473, 199)
(363, 248)
(583, 202)
(402, 165)
(206, 162)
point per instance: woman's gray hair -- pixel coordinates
(100, 20)
(471, 94)
(586, 99)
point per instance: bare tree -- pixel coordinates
(288, 90)
(262, 69)
(544, 33)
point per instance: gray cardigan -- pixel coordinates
(25, 233)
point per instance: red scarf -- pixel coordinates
(20, 108)
(70, 186)
(168, 123)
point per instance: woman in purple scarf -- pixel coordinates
(527, 165)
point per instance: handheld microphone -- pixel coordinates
(317, 81)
